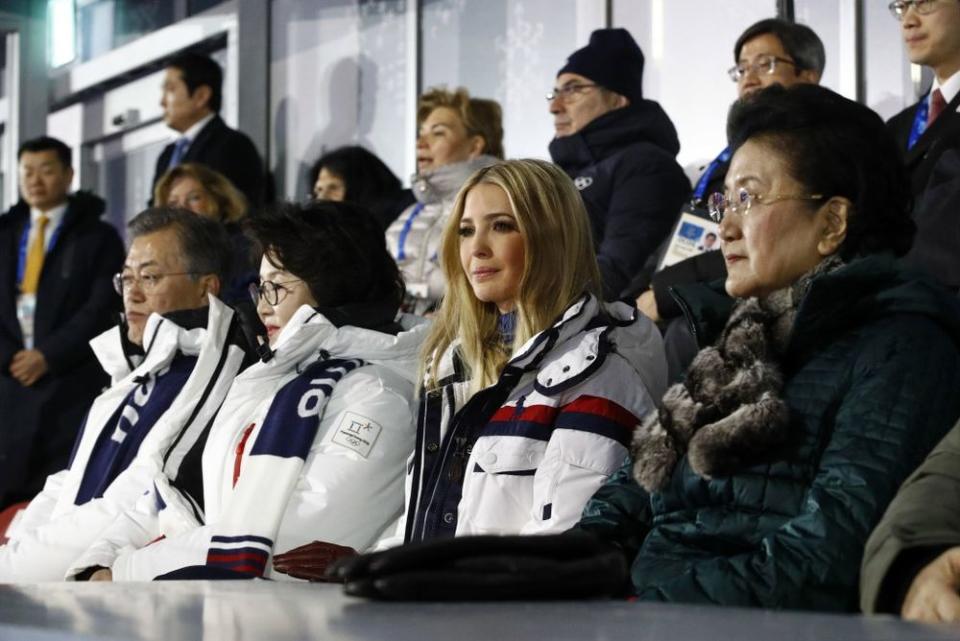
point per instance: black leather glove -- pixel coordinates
(572, 565)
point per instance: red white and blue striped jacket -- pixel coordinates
(524, 455)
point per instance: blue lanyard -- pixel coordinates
(22, 252)
(701, 188)
(402, 240)
(919, 122)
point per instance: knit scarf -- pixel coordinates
(243, 539)
(728, 411)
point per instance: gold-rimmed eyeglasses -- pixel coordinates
(718, 205)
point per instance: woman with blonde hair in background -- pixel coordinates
(457, 135)
(532, 386)
(209, 193)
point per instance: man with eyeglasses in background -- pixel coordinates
(620, 150)
(56, 257)
(928, 134)
(768, 52)
(171, 361)
(911, 564)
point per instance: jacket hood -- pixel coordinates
(88, 204)
(81, 203)
(642, 122)
(309, 333)
(444, 182)
(186, 331)
(868, 289)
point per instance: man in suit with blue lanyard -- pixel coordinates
(56, 260)
(928, 132)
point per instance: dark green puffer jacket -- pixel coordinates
(871, 379)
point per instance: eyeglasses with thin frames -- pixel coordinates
(718, 205)
(567, 93)
(899, 8)
(270, 291)
(148, 281)
(763, 65)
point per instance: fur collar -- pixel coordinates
(728, 411)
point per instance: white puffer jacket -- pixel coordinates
(524, 455)
(54, 530)
(414, 238)
(348, 492)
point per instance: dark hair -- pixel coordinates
(337, 248)
(834, 147)
(200, 70)
(368, 181)
(799, 41)
(204, 242)
(46, 143)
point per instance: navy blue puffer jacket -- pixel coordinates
(624, 164)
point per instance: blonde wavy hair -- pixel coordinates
(231, 204)
(559, 266)
(480, 116)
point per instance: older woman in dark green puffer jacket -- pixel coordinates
(820, 385)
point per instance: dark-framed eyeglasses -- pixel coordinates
(148, 281)
(763, 65)
(567, 92)
(270, 291)
(719, 205)
(899, 8)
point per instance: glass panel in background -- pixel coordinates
(508, 50)
(688, 45)
(339, 76)
(104, 25)
(835, 23)
(61, 32)
(889, 85)
(123, 177)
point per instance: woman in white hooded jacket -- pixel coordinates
(313, 438)
(457, 136)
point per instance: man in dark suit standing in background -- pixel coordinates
(928, 133)
(56, 261)
(192, 94)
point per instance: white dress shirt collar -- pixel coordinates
(191, 133)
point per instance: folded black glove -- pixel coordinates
(572, 565)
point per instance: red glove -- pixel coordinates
(311, 561)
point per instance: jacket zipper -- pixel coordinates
(687, 313)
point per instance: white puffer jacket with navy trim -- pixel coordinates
(524, 455)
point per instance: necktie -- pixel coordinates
(179, 151)
(937, 105)
(31, 274)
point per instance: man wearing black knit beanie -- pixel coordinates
(620, 149)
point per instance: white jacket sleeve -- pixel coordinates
(40, 508)
(44, 553)
(351, 489)
(137, 527)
